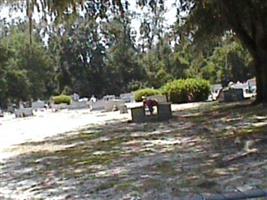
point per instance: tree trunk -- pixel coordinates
(261, 77)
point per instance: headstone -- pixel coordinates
(110, 104)
(98, 105)
(38, 104)
(109, 97)
(78, 105)
(231, 95)
(21, 104)
(11, 108)
(164, 111)
(138, 114)
(24, 112)
(123, 109)
(127, 97)
(75, 97)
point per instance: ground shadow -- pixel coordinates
(211, 149)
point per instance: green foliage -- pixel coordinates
(145, 92)
(89, 55)
(211, 20)
(228, 62)
(62, 99)
(187, 90)
(26, 71)
(18, 85)
(124, 72)
(80, 58)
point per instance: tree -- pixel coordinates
(163, 64)
(209, 18)
(80, 54)
(152, 24)
(124, 70)
(18, 86)
(228, 62)
(3, 71)
(212, 19)
(26, 70)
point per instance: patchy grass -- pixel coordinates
(212, 149)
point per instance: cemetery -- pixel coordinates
(133, 100)
(117, 140)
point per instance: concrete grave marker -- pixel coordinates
(38, 104)
(231, 95)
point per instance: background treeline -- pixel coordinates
(88, 55)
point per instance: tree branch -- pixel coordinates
(235, 22)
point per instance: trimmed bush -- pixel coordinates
(145, 92)
(62, 99)
(187, 90)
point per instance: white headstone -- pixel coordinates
(38, 104)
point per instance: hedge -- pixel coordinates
(187, 90)
(145, 92)
(62, 99)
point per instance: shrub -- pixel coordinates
(145, 92)
(62, 99)
(188, 90)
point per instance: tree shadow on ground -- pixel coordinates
(211, 149)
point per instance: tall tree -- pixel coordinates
(152, 24)
(122, 60)
(3, 72)
(209, 19)
(81, 53)
(26, 70)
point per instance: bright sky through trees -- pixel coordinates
(169, 15)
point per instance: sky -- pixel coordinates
(170, 15)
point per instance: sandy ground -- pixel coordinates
(192, 155)
(47, 123)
